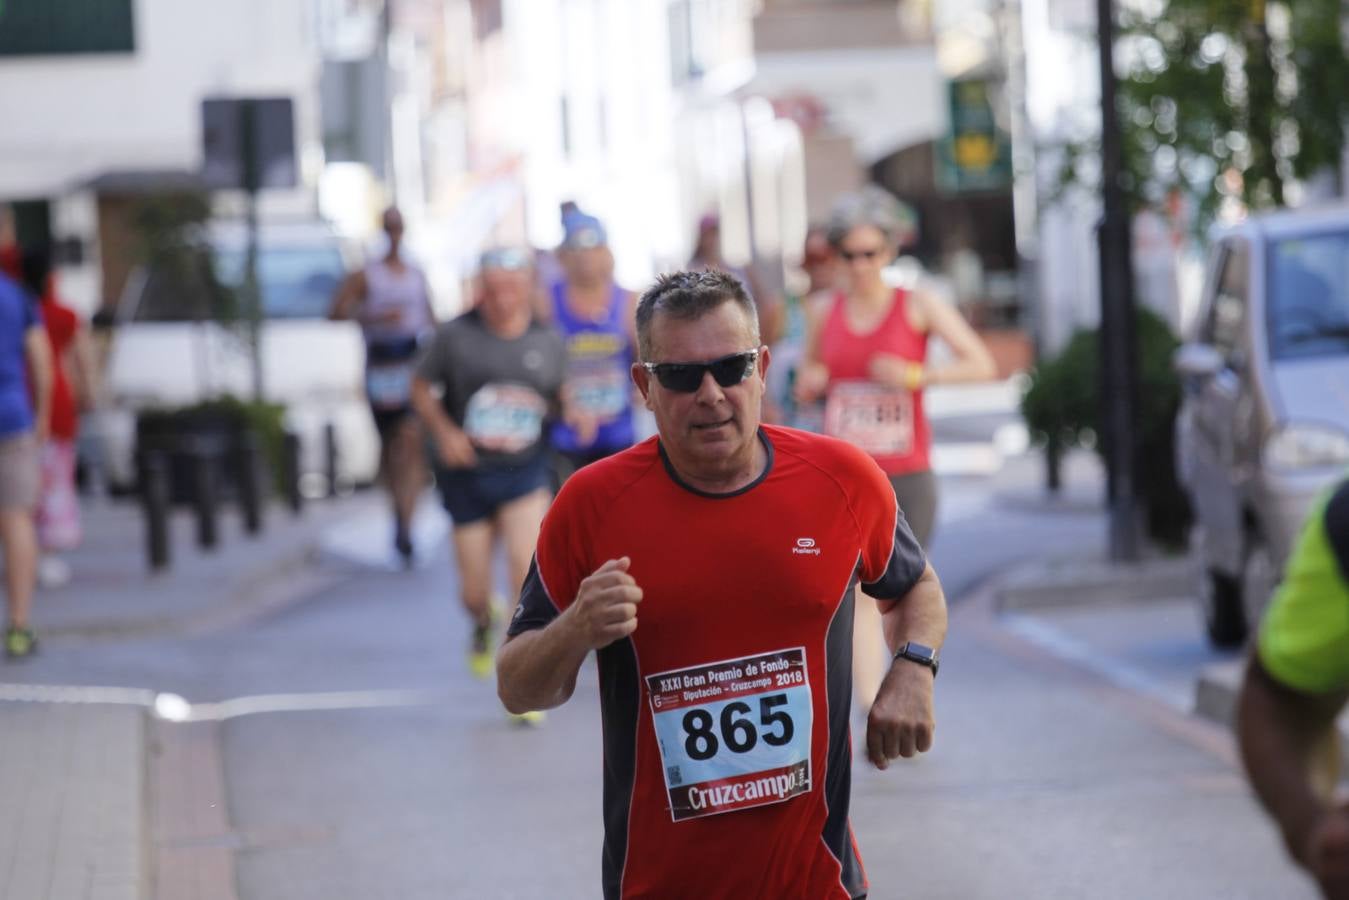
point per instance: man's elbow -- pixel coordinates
(507, 683)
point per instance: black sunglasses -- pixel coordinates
(686, 377)
(850, 255)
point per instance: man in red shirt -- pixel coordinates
(712, 568)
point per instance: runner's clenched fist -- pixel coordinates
(606, 604)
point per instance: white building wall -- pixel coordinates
(609, 59)
(1063, 103)
(73, 117)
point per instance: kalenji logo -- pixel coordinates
(806, 547)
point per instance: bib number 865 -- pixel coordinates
(737, 730)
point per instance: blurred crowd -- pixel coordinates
(534, 380)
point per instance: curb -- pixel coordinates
(1216, 701)
(1080, 582)
(250, 594)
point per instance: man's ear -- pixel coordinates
(765, 357)
(642, 378)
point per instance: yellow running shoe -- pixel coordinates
(532, 719)
(481, 660)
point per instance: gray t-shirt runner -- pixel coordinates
(501, 392)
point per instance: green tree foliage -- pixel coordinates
(1227, 98)
(1063, 405)
(171, 243)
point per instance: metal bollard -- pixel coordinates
(290, 468)
(250, 482)
(154, 487)
(330, 457)
(1053, 458)
(202, 456)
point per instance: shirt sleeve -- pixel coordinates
(559, 565)
(892, 560)
(432, 362)
(1304, 639)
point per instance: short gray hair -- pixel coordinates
(874, 206)
(689, 295)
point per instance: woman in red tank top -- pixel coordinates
(59, 527)
(866, 357)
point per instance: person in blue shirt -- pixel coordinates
(596, 318)
(25, 411)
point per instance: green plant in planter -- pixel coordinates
(224, 420)
(172, 241)
(1063, 409)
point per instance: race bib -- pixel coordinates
(601, 391)
(872, 417)
(735, 734)
(389, 385)
(506, 418)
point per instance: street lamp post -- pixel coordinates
(1119, 372)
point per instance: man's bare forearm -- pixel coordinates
(428, 408)
(40, 362)
(538, 669)
(1279, 732)
(920, 615)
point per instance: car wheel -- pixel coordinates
(1259, 578)
(1224, 616)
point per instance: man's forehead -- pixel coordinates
(723, 329)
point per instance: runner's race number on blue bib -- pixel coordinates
(389, 385)
(733, 734)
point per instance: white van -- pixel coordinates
(167, 351)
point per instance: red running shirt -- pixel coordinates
(727, 755)
(886, 422)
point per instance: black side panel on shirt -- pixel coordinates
(905, 567)
(1337, 527)
(838, 775)
(536, 608)
(619, 700)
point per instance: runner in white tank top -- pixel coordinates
(390, 300)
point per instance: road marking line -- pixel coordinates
(274, 703)
(1070, 649)
(62, 693)
(172, 707)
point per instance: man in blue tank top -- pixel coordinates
(596, 319)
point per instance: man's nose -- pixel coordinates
(709, 392)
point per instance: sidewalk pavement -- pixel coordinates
(1134, 590)
(114, 593)
(74, 797)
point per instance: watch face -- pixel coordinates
(918, 651)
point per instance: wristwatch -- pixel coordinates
(919, 653)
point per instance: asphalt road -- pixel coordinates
(362, 761)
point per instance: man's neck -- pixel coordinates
(587, 295)
(508, 328)
(735, 476)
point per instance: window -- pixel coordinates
(295, 282)
(1307, 291)
(42, 27)
(1228, 313)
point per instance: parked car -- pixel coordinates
(1264, 423)
(169, 351)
